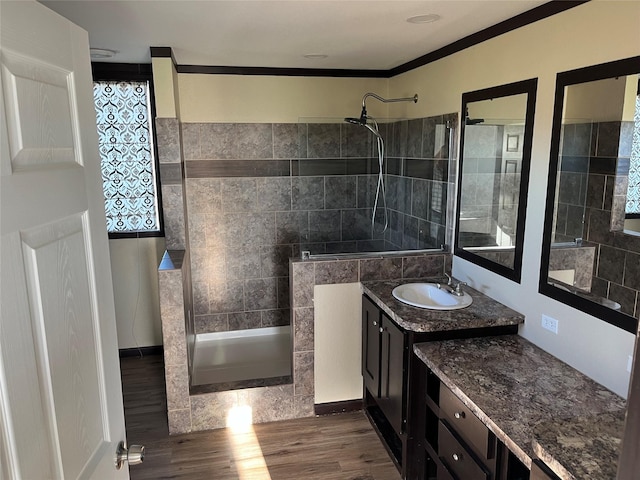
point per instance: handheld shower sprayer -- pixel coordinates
(370, 124)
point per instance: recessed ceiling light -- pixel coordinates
(102, 52)
(428, 18)
(315, 56)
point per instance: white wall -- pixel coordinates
(134, 268)
(593, 33)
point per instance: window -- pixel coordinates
(128, 161)
(633, 190)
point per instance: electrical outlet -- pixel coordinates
(629, 363)
(550, 324)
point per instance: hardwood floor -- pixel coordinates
(337, 447)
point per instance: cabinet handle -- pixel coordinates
(459, 415)
(456, 457)
(375, 323)
(381, 329)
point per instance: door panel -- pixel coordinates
(37, 90)
(371, 346)
(66, 341)
(61, 412)
(392, 374)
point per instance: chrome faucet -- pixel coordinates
(458, 289)
(452, 287)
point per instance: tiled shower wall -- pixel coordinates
(593, 183)
(490, 185)
(258, 194)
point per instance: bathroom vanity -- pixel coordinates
(390, 331)
(493, 408)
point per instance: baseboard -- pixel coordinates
(332, 408)
(136, 352)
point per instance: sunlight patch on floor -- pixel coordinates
(247, 454)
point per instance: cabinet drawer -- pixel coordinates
(466, 424)
(457, 458)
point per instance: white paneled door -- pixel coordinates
(61, 413)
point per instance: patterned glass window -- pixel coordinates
(123, 112)
(633, 191)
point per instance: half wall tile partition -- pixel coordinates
(193, 412)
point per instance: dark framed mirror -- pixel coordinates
(591, 240)
(493, 176)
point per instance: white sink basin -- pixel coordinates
(428, 295)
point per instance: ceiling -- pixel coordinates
(354, 34)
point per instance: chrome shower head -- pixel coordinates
(355, 121)
(363, 123)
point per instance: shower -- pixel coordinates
(371, 124)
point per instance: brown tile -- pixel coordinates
(174, 336)
(177, 385)
(380, 269)
(179, 421)
(211, 323)
(276, 318)
(303, 331)
(211, 410)
(191, 141)
(270, 404)
(304, 406)
(168, 140)
(170, 174)
(236, 168)
(303, 377)
(303, 281)
(245, 320)
(340, 271)
(423, 266)
(204, 195)
(170, 285)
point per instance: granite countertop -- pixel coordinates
(583, 447)
(483, 312)
(512, 386)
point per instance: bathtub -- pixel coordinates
(241, 355)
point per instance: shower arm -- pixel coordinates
(413, 99)
(363, 114)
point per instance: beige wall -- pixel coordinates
(134, 268)
(601, 101)
(596, 32)
(165, 85)
(337, 342)
(267, 99)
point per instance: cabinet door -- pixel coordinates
(371, 346)
(392, 374)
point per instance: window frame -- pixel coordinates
(141, 72)
(635, 215)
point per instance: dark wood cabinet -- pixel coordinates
(392, 374)
(393, 394)
(383, 363)
(371, 347)
(456, 444)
